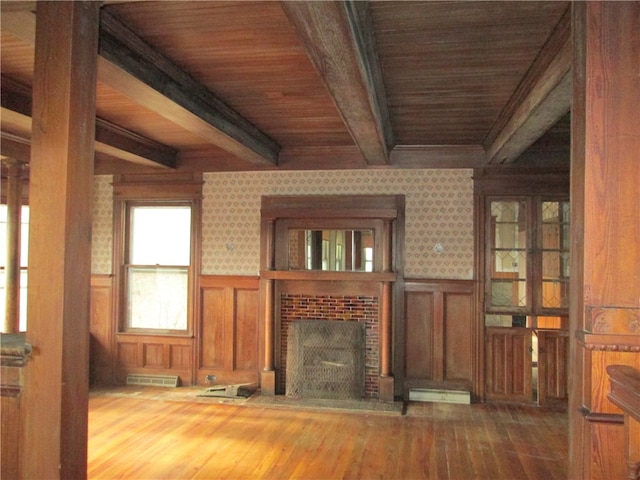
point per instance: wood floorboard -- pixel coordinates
(143, 438)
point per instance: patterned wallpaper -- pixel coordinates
(102, 231)
(439, 210)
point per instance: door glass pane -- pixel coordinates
(508, 284)
(555, 254)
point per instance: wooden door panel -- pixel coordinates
(553, 352)
(508, 367)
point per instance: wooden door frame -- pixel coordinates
(509, 182)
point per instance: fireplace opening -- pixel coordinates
(326, 359)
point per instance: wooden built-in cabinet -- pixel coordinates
(522, 260)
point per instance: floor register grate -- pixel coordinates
(153, 380)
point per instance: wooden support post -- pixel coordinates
(386, 381)
(57, 377)
(386, 386)
(605, 226)
(12, 269)
(268, 374)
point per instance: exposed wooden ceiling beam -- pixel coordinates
(338, 37)
(110, 139)
(438, 156)
(134, 68)
(541, 99)
(15, 147)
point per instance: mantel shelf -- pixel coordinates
(328, 276)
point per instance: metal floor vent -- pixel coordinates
(443, 396)
(153, 380)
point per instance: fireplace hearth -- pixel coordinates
(326, 359)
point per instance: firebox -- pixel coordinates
(326, 359)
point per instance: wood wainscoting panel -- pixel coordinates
(246, 338)
(127, 355)
(607, 451)
(439, 334)
(457, 339)
(419, 327)
(212, 333)
(228, 329)
(179, 357)
(154, 355)
(11, 416)
(101, 329)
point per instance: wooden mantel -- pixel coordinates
(384, 215)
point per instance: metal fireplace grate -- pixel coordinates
(326, 359)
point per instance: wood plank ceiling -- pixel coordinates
(219, 86)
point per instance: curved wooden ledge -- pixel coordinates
(625, 389)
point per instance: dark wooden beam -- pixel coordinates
(131, 147)
(134, 68)
(541, 99)
(15, 147)
(110, 139)
(438, 156)
(338, 37)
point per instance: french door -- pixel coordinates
(526, 298)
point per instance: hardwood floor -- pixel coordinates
(146, 438)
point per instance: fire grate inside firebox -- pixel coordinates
(326, 359)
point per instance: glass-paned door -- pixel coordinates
(508, 255)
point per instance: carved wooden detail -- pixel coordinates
(613, 320)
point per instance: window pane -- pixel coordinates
(157, 298)
(160, 235)
(24, 235)
(23, 298)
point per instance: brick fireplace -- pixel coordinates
(318, 283)
(341, 308)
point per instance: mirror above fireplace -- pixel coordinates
(334, 250)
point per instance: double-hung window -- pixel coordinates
(24, 244)
(158, 256)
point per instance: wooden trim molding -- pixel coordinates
(609, 343)
(600, 417)
(625, 389)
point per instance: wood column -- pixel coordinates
(268, 374)
(386, 381)
(62, 149)
(605, 228)
(12, 269)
